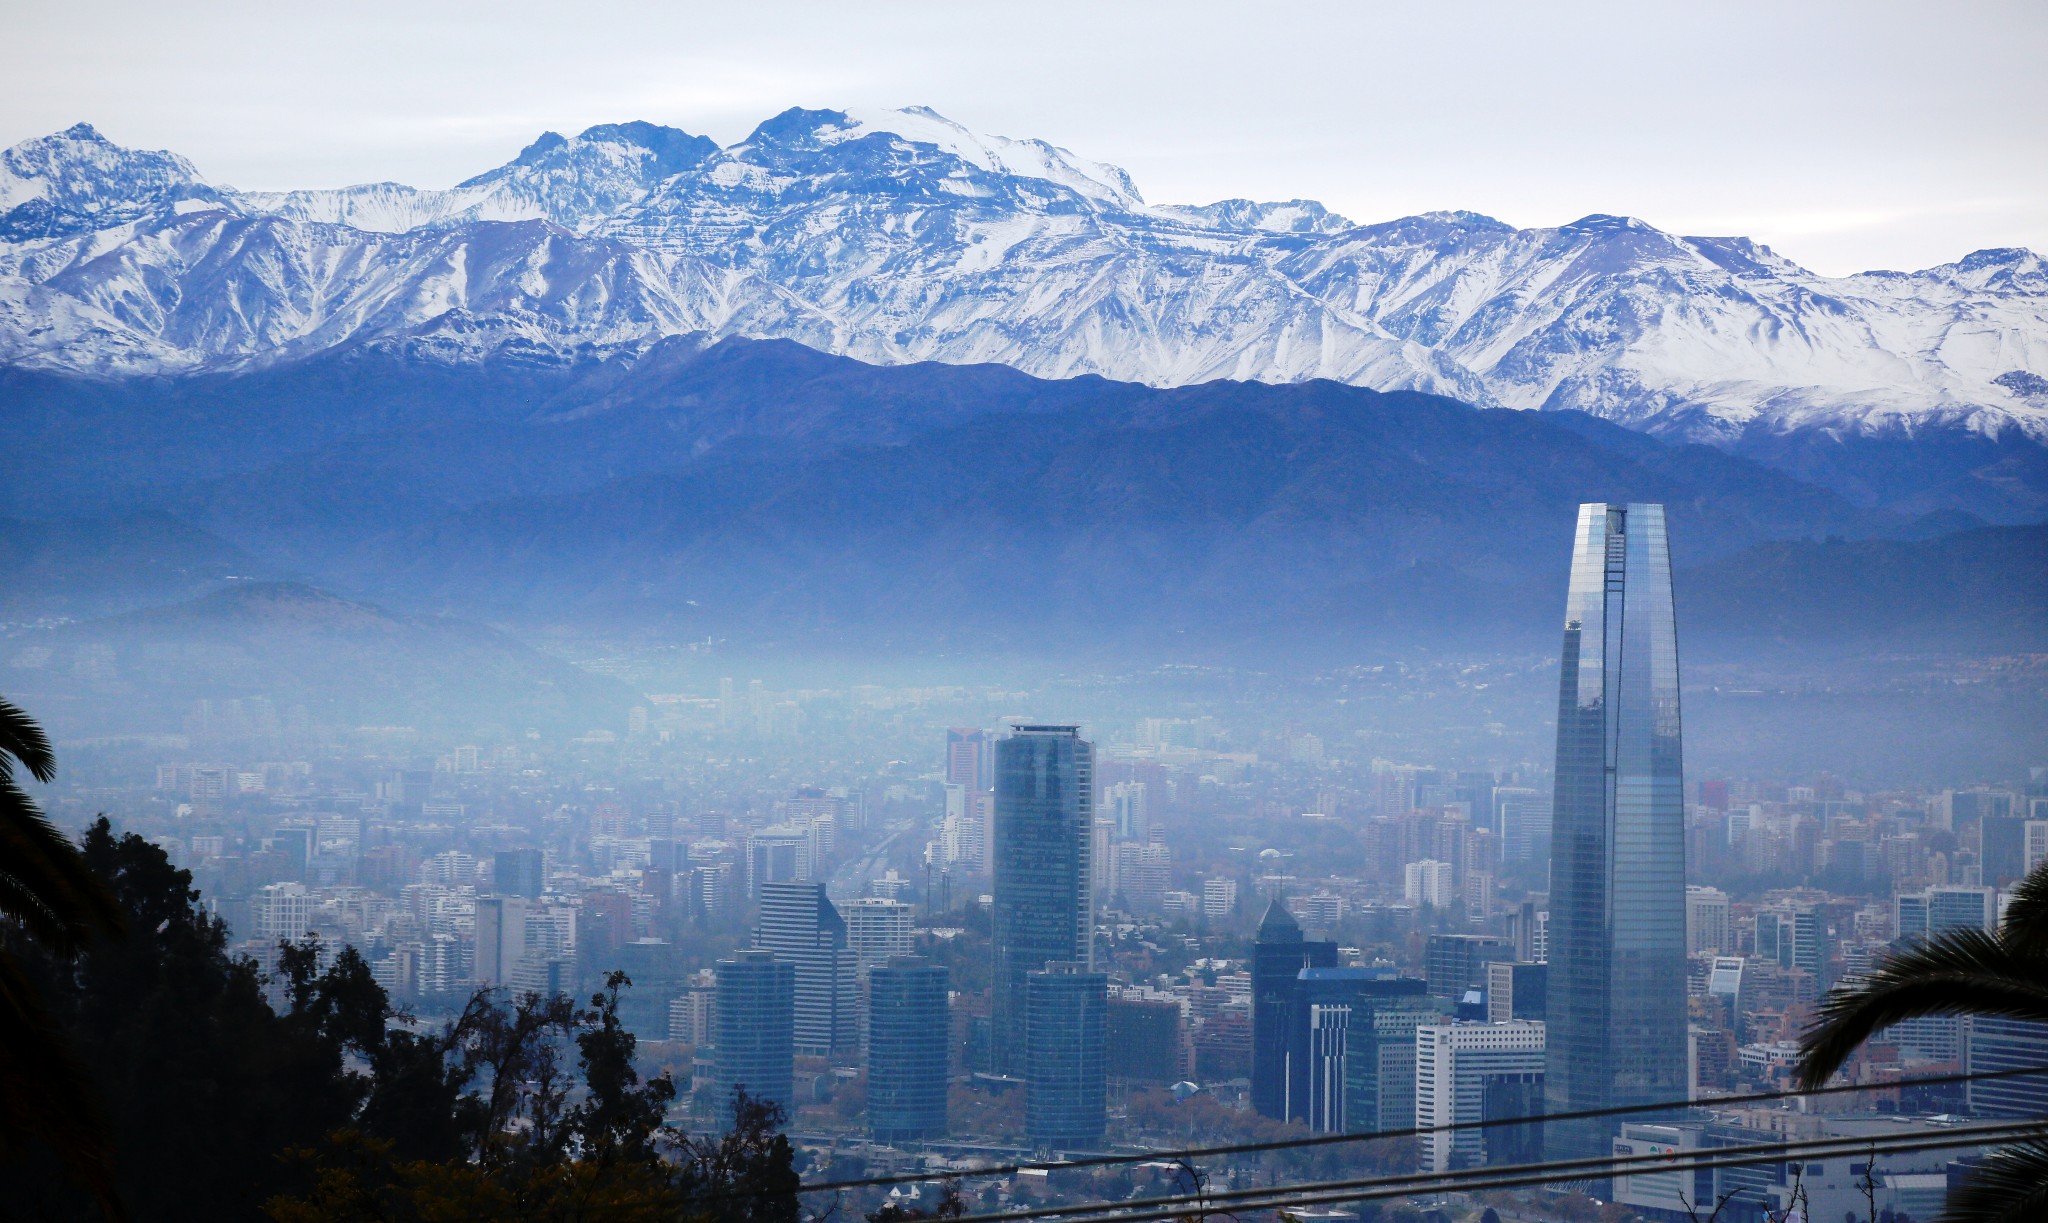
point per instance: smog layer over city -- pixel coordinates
(742, 646)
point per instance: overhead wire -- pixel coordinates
(1479, 1179)
(1319, 1140)
(1550, 1171)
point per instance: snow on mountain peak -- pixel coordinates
(1098, 181)
(649, 150)
(77, 181)
(900, 235)
(1282, 217)
(575, 182)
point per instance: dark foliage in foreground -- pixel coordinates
(330, 1106)
(1959, 972)
(51, 907)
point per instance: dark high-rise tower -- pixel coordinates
(756, 1021)
(1278, 957)
(520, 872)
(1616, 1006)
(1066, 1038)
(908, 1039)
(1043, 903)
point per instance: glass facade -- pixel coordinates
(1066, 1035)
(1616, 1005)
(1043, 899)
(1331, 1022)
(802, 926)
(756, 1032)
(908, 1038)
(1993, 1043)
(1278, 958)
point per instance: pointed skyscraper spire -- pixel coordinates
(1278, 925)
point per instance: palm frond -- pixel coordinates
(44, 881)
(21, 739)
(1959, 972)
(2010, 1186)
(2026, 914)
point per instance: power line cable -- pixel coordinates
(1582, 1166)
(1317, 1140)
(1507, 1176)
(1465, 1182)
(1473, 1179)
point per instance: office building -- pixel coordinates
(1456, 1066)
(909, 1036)
(1922, 914)
(692, 1015)
(1993, 1043)
(1428, 882)
(1144, 1040)
(801, 926)
(1797, 936)
(2034, 848)
(1043, 907)
(1522, 816)
(281, 911)
(1454, 963)
(970, 759)
(1379, 1070)
(1219, 899)
(500, 938)
(659, 978)
(519, 872)
(1105, 859)
(1516, 991)
(1066, 1036)
(964, 834)
(1708, 930)
(2003, 843)
(1617, 1021)
(877, 929)
(1279, 954)
(1327, 1004)
(970, 805)
(782, 854)
(1825, 1186)
(755, 1017)
(1125, 806)
(1142, 872)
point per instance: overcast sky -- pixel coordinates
(1848, 136)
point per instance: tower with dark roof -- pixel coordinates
(1278, 956)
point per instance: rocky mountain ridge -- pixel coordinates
(900, 236)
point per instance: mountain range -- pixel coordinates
(763, 492)
(899, 237)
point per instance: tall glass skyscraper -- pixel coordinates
(1278, 957)
(756, 1032)
(1043, 901)
(1616, 1007)
(1066, 1037)
(908, 1039)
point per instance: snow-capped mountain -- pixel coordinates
(898, 236)
(77, 182)
(574, 182)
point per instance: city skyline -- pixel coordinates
(928, 612)
(1271, 930)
